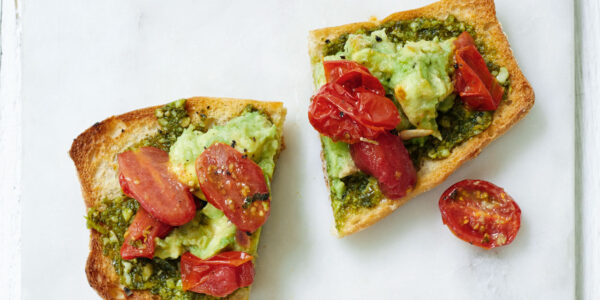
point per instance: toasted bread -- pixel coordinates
(481, 14)
(94, 153)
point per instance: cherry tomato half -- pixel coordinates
(217, 276)
(478, 89)
(144, 176)
(352, 106)
(480, 213)
(234, 184)
(139, 237)
(388, 161)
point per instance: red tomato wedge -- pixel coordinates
(352, 106)
(234, 184)
(217, 276)
(139, 237)
(144, 176)
(478, 89)
(388, 161)
(480, 213)
(463, 40)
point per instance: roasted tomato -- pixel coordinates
(352, 106)
(144, 176)
(478, 89)
(217, 276)
(139, 237)
(234, 184)
(480, 213)
(387, 160)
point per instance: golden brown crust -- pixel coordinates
(94, 154)
(482, 15)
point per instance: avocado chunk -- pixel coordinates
(206, 235)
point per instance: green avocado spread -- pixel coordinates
(210, 232)
(413, 59)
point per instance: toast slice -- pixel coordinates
(481, 15)
(94, 153)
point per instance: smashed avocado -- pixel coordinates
(413, 61)
(339, 164)
(206, 235)
(210, 232)
(250, 133)
(417, 74)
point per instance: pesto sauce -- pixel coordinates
(362, 191)
(407, 30)
(456, 126)
(172, 120)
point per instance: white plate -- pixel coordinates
(83, 61)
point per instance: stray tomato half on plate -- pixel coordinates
(480, 213)
(217, 276)
(235, 184)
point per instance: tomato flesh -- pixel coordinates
(480, 213)
(144, 176)
(352, 106)
(388, 161)
(139, 237)
(234, 184)
(478, 89)
(217, 276)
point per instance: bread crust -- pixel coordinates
(94, 153)
(482, 15)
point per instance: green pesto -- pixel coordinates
(456, 126)
(172, 120)
(362, 191)
(419, 29)
(407, 30)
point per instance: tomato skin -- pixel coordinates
(389, 162)
(334, 69)
(144, 229)
(144, 176)
(234, 184)
(352, 105)
(217, 276)
(478, 89)
(480, 213)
